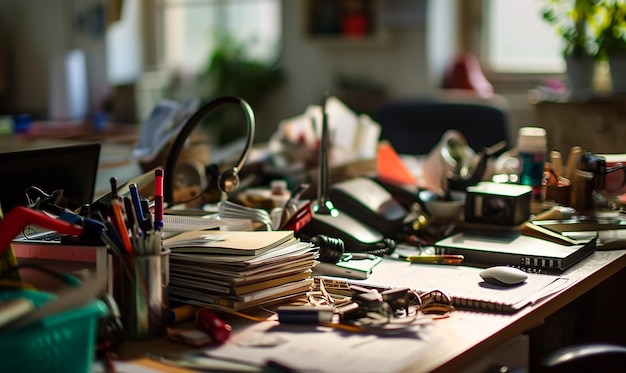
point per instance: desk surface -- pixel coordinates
(466, 336)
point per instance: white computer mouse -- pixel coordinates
(503, 275)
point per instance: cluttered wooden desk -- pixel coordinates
(230, 275)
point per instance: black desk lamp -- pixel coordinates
(324, 206)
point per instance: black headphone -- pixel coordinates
(228, 181)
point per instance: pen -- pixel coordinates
(131, 216)
(436, 259)
(134, 196)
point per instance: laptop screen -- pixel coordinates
(72, 168)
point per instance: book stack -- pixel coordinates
(237, 270)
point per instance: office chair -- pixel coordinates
(415, 126)
(590, 357)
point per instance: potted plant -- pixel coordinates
(573, 21)
(611, 22)
(231, 71)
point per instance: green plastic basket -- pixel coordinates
(62, 343)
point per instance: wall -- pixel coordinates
(398, 61)
(28, 52)
(37, 30)
(41, 28)
(406, 60)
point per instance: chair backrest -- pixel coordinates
(415, 126)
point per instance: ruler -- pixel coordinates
(56, 251)
(42, 250)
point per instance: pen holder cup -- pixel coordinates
(140, 286)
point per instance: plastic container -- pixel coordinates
(62, 343)
(532, 147)
(22, 123)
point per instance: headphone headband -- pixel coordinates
(229, 179)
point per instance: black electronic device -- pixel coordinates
(406, 194)
(484, 247)
(71, 168)
(357, 237)
(372, 203)
(497, 203)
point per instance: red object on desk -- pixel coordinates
(210, 323)
(20, 217)
(300, 218)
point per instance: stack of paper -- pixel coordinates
(231, 210)
(237, 270)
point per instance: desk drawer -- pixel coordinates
(513, 355)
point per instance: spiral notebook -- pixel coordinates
(465, 286)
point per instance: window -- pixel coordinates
(191, 29)
(517, 40)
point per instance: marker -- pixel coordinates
(436, 259)
(134, 196)
(158, 199)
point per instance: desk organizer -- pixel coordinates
(62, 343)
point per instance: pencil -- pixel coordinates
(436, 259)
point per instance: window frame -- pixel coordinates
(472, 31)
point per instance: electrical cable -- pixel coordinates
(66, 278)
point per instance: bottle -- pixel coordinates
(532, 148)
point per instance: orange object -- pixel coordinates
(115, 214)
(390, 166)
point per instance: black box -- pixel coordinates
(497, 203)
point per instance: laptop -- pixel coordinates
(492, 248)
(72, 168)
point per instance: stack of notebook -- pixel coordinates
(237, 270)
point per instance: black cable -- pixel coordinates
(331, 249)
(67, 279)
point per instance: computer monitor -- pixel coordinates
(72, 168)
